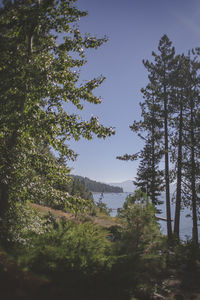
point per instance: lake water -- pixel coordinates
(115, 201)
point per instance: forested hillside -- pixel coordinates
(98, 187)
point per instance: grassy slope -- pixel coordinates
(101, 219)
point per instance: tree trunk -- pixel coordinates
(4, 198)
(153, 166)
(179, 176)
(168, 208)
(193, 177)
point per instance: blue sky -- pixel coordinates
(134, 28)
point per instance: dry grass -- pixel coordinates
(101, 219)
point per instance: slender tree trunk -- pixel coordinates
(193, 177)
(179, 176)
(194, 210)
(168, 208)
(4, 197)
(153, 166)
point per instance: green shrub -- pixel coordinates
(141, 231)
(184, 254)
(20, 223)
(141, 246)
(69, 249)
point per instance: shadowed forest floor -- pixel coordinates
(17, 284)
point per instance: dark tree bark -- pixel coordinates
(179, 175)
(193, 176)
(168, 207)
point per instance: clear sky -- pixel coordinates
(134, 28)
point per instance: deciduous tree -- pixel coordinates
(42, 52)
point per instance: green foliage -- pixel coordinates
(42, 52)
(69, 249)
(83, 254)
(98, 187)
(141, 246)
(150, 130)
(21, 223)
(169, 128)
(184, 255)
(77, 187)
(141, 231)
(102, 207)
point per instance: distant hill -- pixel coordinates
(128, 186)
(98, 187)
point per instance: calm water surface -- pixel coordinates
(115, 201)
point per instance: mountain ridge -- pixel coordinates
(127, 185)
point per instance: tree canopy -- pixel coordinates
(42, 52)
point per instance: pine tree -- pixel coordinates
(148, 174)
(178, 104)
(185, 141)
(160, 73)
(191, 139)
(149, 129)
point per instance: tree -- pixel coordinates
(191, 162)
(156, 112)
(149, 177)
(42, 51)
(177, 140)
(178, 104)
(185, 141)
(141, 231)
(160, 73)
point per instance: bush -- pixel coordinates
(79, 249)
(20, 223)
(141, 231)
(141, 246)
(184, 255)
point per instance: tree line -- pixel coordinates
(97, 187)
(170, 129)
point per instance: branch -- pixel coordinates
(131, 157)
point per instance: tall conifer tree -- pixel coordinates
(191, 138)
(178, 102)
(149, 129)
(148, 175)
(160, 74)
